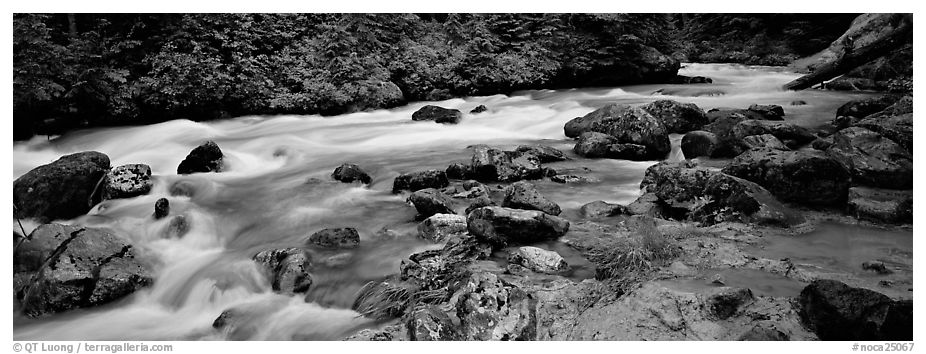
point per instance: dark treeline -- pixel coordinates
(73, 70)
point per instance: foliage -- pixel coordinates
(628, 257)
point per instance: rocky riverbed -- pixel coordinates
(723, 209)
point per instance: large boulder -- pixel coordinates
(806, 177)
(63, 267)
(731, 198)
(286, 269)
(439, 227)
(836, 311)
(349, 173)
(61, 189)
(438, 114)
(678, 185)
(414, 181)
(881, 205)
(501, 226)
(127, 181)
(523, 195)
(872, 159)
(699, 143)
(898, 128)
(594, 145)
(728, 144)
(207, 157)
(491, 309)
(678, 117)
(544, 153)
(342, 237)
(494, 165)
(538, 259)
(630, 125)
(768, 111)
(792, 135)
(431, 201)
(459, 171)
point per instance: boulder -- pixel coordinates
(698, 143)
(600, 208)
(492, 309)
(459, 171)
(538, 260)
(479, 109)
(414, 181)
(480, 202)
(438, 114)
(648, 204)
(836, 311)
(759, 113)
(872, 159)
(501, 226)
(431, 201)
(63, 267)
(794, 135)
(593, 145)
(735, 199)
(727, 301)
(382, 300)
(881, 205)
(161, 208)
(682, 79)
(178, 226)
(467, 190)
(61, 189)
(864, 107)
(204, 158)
(439, 227)
(544, 153)
(430, 323)
(493, 165)
(523, 195)
(630, 125)
(764, 140)
(678, 185)
(564, 179)
(805, 177)
(344, 237)
(728, 144)
(127, 181)
(286, 269)
(677, 117)
(898, 128)
(769, 111)
(349, 173)
(435, 269)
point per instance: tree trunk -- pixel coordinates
(72, 26)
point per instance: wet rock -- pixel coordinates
(769, 111)
(864, 107)
(538, 260)
(678, 185)
(161, 208)
(469, 189)
(517, 270)
(881, 205)
(349, 173)
(726, 302)
(207, 157)
(127, 181)
(431, 201)
(836, 311)
(648, 204)
(430, 323)
(806, 177)
(781, 130)
(798, 103)
(822, 144)
(629, 125)
(876, 266)
(493, 165)
(715, 114)
(523, 195)
(600, 208)
(414, 181)
(678, 117)
(479, 109)
(699, 143)
(544, 153)
(381, 300)
(501, 226)
(491, 309)
(682, 79)
(345, 237)
(898, 128)
(287, 269)
(391, 333)
(459, 171)
(872, 159)
(764, 140)
(178, 226)
(439, 227)
(597, 145)
(730, 198)
(570, 179)
(763, 333)
(435, 269)
(480, 202)
(64, 267)
(61, 189)
(438, 114)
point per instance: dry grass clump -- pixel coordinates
(646, 249)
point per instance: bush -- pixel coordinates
(647, 249)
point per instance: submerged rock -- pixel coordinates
(523, 195)
(349, 173)
(501, 226)
(431, 201)
(63, 267)
(538, 260)
(287, 269)
(127, 181)
(344, 237)
(806, 177)
(61, 189)
(438, 114)
(414, 181)
(479, 109)
(678, 117)
(836, 311)
(439, 227)
(207, 157)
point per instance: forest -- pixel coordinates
(80, 70)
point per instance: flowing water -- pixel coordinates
(277, 190)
